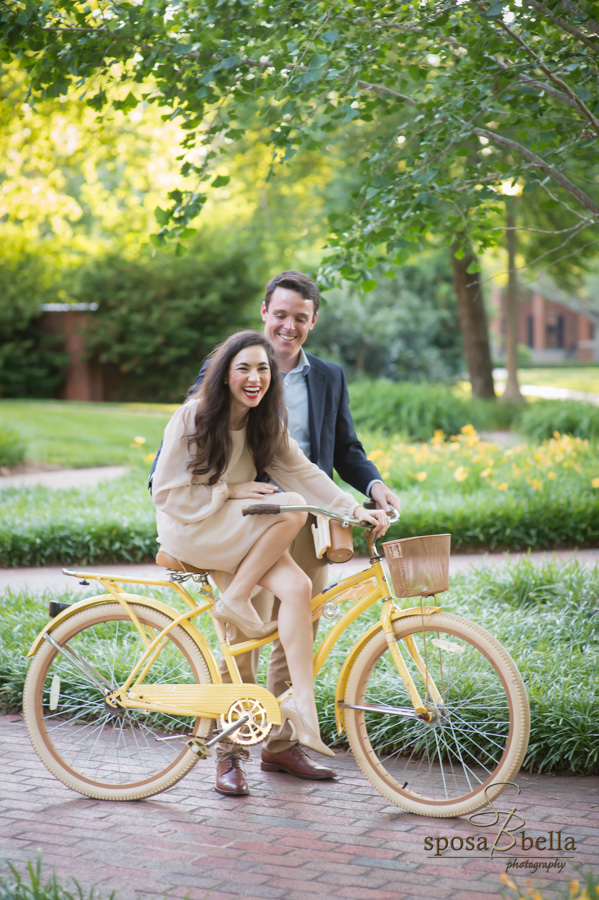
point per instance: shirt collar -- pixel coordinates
(302, 366)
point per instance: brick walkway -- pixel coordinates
(290, 839)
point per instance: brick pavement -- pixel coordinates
(290, 839)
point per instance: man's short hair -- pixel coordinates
(294, 281)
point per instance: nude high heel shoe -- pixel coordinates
(224, 613)
(302, 733)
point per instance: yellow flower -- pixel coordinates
(421, 476)
(508, 881)
(468, 429)
(376, 454)
(536, 484)
(149, 457)
(595, 483)
(551, 476)
(461, 473)
(503, 486)
(438, 437)
(486, 473)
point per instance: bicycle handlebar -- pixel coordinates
(271, 509)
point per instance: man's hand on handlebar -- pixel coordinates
(384, 497)
(376, 517)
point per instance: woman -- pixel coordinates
(219, 450)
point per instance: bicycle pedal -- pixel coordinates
(199, 748)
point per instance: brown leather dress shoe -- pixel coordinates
(296, 762)
(230, 777)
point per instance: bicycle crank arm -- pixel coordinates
(82, 666)
(405, 711)
(202, 748)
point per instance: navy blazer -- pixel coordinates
(334, 443)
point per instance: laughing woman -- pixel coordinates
(221, 449)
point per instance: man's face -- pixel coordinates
(287, 322)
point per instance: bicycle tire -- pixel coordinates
(477, 739)
(99, 752)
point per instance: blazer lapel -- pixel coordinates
(316, 394)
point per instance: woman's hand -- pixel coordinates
(376, 517)
(251, 490)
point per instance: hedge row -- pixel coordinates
(116, 523)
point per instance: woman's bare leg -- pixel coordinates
(267, 550)
(293, 588)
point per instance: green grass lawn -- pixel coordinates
(573, 378)
(82, 435)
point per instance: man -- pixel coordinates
(321, 423)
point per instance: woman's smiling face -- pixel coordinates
(248, 379)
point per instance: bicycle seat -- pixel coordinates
(171, 562)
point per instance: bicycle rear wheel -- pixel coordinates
(101, 752)
(476, 737)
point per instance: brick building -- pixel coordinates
(554, 326)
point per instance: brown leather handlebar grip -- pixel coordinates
(261, 509)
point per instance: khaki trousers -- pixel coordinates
(266, 605)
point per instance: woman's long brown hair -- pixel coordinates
(210, 443)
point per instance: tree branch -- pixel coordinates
(539, 163)
(562, 84)
(565, 26)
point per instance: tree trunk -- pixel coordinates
(512, 388)
(473, 325)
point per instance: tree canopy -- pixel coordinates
(447, 102)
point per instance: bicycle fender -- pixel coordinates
(359, 646)
(196, 636)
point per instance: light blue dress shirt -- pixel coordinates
(296, 400)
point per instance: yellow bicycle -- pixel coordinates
(124, 691)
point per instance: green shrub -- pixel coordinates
(158, 318)
(418, 409)
(12, 447)
(32, 364)
(540, 420)
(406, 328)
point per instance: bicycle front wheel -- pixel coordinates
(473, 739)
(102, 752)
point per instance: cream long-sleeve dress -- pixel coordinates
(200, 524)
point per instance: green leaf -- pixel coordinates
(473, 267)
(161, 216)
(495, 10)
(368, 285)
(350, 114)
(221, 180)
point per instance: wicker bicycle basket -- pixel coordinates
(419, 566)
